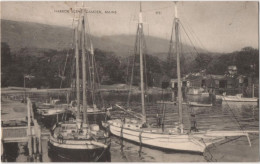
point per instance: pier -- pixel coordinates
(22, 130)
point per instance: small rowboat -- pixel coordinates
(199, 104)
(239, 98)
(170, 102)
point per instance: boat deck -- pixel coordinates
(70, 131)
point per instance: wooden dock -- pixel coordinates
(30, 133)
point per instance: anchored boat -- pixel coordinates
(138, 130)
(55, 111)
(196, 104)
(79, 139)
(239, 98)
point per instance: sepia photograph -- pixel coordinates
(129, 81)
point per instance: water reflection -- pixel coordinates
(11, 152)
(105, 157)
(79, 155)
(220, 117)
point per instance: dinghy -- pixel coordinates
(239, 98)
(196, 104)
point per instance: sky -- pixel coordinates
(222, 26)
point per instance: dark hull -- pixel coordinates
(77, 155)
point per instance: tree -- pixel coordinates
(6, 57)
(202, 61)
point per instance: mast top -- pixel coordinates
(140, 14)
(176, 11)
(140, 6)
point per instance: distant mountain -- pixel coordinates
(41, 36)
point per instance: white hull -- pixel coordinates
(181, 142)
(77, 144)
(172, 140)
(239, 99)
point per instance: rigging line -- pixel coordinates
(90, 64)
(182, 55)
(62, 74)
(72, 72)
(170, 53)
(99, 83)
(132, 74)
(192, 33)
(196, 37)
(145, 58)
(92, 70)
(189, 37)
(89, 71)
(93, 78)
(73, 59)
(188, 47)
(88, 28)
(127, 67)
(240, 126)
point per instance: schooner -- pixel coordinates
(138, 130)
(79, 139)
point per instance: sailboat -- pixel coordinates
(91, 110)
(138, 130)
(55, 111)
(239, 98)
(78, 139)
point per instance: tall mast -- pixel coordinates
(93, 72)
(178, 68)
(84, 81)
(77, 71)
(170, 54)
(140, 26)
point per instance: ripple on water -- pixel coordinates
(221, 117)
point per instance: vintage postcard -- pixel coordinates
(130, 81)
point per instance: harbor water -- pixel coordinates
(221, 116)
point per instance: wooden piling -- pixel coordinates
(253, 90)
(34, 145)
(40, 143)
(173, 96)
(29, 132)
(57, 118)
(2, 151)
(68, 97)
